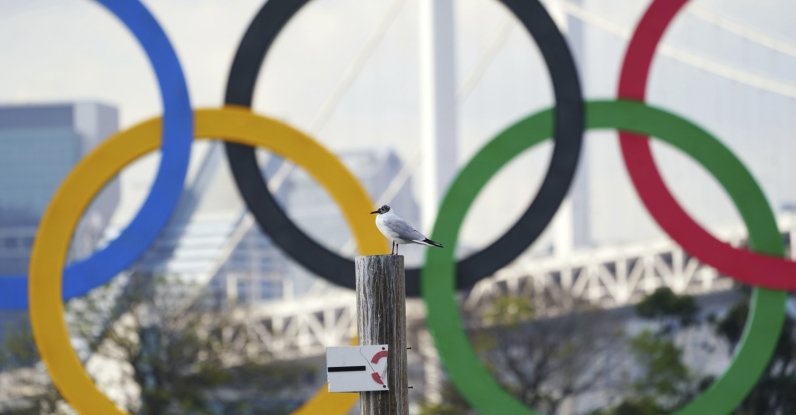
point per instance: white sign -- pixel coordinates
(357, 368)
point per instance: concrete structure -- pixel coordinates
(437, 103)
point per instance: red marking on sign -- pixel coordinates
(377, 378)
(378, 356)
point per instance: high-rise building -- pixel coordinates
(39, 146)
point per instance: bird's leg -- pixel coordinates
(392, 247)
(396, 248)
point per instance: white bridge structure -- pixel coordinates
(607, 277)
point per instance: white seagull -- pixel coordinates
(399, 231)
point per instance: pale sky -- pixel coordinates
(65, 50)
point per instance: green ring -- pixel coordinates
(767, 311)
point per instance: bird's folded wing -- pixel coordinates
(404, 230)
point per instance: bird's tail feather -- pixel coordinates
(429, 242)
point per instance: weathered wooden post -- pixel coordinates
(381, 315)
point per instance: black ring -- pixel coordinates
(568, 135)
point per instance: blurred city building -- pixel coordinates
(39, 146)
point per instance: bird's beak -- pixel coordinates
(375, 211)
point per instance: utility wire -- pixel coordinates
(708, 65)
(738, 29)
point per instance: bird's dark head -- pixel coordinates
(381, 210)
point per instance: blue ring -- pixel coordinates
(83, 276)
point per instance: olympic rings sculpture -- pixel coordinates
(88, 177)
(768, 311)
(267, 24)
(99, 268)
(441, 275)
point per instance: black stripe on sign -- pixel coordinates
(347, 369)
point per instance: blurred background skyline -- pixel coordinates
(736, 82)
(347, 72)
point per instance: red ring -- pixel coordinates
(741, 264)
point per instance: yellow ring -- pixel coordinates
(235, 124)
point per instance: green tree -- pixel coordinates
(544, 360)
(177, 358)
(18, 359)
(662, 382)
(671, 310)
(452, 403)
(635, 406)
(774, 392)
(665, 376)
